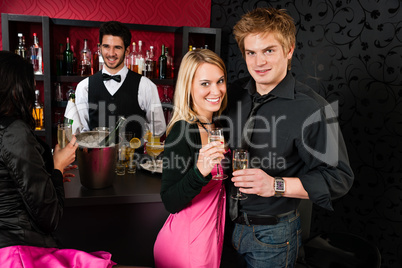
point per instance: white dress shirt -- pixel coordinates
(148, 100)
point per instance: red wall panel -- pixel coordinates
(194, 13)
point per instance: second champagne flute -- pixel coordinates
(217, 135)
(240, 161)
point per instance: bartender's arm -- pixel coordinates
(148, 99)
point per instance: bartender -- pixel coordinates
(117, 91)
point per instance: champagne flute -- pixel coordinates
(217, 135)
(64, 134)
(240, 161)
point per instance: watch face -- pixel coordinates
(279, 185)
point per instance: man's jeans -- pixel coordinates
(269, 246)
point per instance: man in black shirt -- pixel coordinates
(296, 150)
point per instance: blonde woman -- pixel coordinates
(192, 236)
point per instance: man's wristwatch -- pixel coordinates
(279, 186)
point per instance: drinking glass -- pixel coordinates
(64, 134)
(154, 149)
(239, 161)
(217, 135)
(121, 162)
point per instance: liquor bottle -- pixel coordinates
(59, 93)
(85, 65)
(162, 64)
(132, 60)
(68, 58)
(100, 59)
(140, 58)
(111, 138)
(36, 55)
(59, 60)
(95, 59)
(147, 71)
(38, 112)
(21, 49)
(153, 64)
(166, 104)
(84, 68)
(169, 64)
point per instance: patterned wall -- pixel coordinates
(350, 51)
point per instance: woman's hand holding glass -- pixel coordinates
(64, 157)
(209, 156)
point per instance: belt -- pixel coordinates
(246, 219)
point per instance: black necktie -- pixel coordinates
(107, 77)
(250, 123)
(245, 142)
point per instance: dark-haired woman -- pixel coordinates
(31, 178)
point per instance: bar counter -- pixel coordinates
(123, 219)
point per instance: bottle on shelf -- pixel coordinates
(36, 55)
(38, 112)
(169, 64)
(84, 68)
(68, 59)
(140, 58)
(166, 104)
(111, 138)
(97, 60)
(59, 60)
(147, 71)
(132, 59)
(21, 49)
(153, 62)
(59, 93)
(162, 64)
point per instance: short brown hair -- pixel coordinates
(266, 20)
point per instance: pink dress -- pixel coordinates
(193, 237)
(33, 257)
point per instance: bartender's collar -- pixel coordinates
(285, 89)
(123, 73)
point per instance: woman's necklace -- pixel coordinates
(203, 125)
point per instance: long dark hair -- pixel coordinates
(17, 87)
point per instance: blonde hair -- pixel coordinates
(267, 20)
(183, 103)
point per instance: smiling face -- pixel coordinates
(208, 90)
(113, 53)
(266, 60)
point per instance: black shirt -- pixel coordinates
(295, 135)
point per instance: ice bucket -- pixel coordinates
(96, 165)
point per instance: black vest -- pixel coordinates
(104, 108)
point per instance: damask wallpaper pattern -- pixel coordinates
(351, 52)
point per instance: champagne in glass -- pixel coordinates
(217, 135)
(64, 134)
(239, 161)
